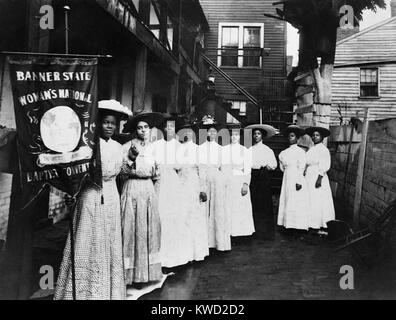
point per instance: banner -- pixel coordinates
(55, 102)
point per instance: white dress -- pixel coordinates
(320, 199)
(175, 233)
(293, 205)
(192, 185)
(236, 165)
(219, 220)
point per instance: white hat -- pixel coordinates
(270, 130)
(115, 106)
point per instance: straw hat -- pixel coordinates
(323, 131)
(153, 119)
(113, 106)
(269, 130)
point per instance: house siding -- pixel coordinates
(377, 44)
(257, 81)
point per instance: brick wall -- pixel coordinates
(379, 179)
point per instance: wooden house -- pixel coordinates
(247, 53)
(365, 74)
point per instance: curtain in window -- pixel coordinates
(251, 47)
(229, 46)
(369, 82)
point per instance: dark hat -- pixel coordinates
(153, 119)
(187, 125)
(323, 131)
(234, 126)
(294, 128)
(208, 122)
(269, 130)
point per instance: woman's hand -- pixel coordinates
(70, 201)
(318, 183)
(245, 189)
(203, 197)
(133, 153)
(298, 186)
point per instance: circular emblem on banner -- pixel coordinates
(60, 129)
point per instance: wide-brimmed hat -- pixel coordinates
(323, 131)
(153, 119)
(294, 128)
(114, 107)
(187, 125)
(269, 130)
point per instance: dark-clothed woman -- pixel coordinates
(263, 161)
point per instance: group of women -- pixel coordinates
(179, 199)
(306, 200)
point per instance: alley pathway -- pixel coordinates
(283, 269)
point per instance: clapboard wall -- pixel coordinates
(256, 81)
(374, 44)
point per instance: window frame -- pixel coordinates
(240, 58)
(378, 82)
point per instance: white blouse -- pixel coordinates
(111, 158)
(293, 159)
(187, 154)
(238, 159)
(165, 152)
(319, 157)
(209, 153)
(263, 156)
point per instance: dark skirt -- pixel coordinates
(261, 196)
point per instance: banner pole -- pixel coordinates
(67, 9)
(50, 54)
(72, 253)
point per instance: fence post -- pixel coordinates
(360, 171)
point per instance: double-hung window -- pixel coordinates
(369, 82)
(240, 45)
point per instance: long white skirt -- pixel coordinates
(294, 209)
(196, 213)
(239, 207)
(320, 199)
(219, 220)
(175, 233)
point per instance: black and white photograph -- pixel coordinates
(220, 151)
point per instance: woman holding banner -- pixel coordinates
(99, 271)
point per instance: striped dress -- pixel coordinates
(98, 259)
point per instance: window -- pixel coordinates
(154, 21)
(169, 33)
(251, 46)
(369, 82)
(229, 46)
(231, 119)
(238, 106)
(240, 44)
(136, 4)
